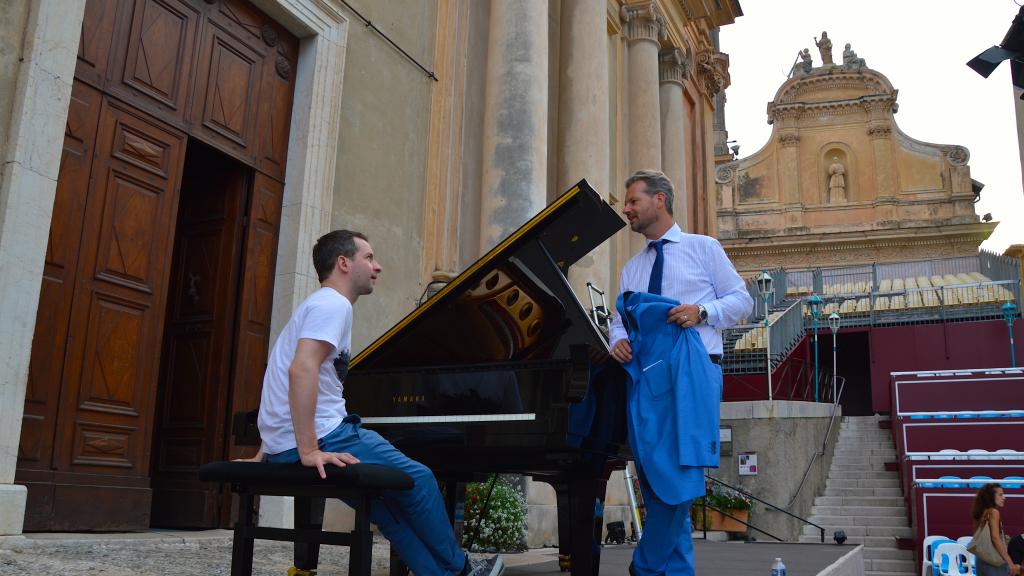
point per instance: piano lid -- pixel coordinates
(514, 303)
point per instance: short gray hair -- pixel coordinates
(656, 182)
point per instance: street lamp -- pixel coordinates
(815, 303)
(833, 325)
(1010, 314)
(764, 288)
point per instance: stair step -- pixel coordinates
(859, 501)
(860, 521)
(855, 474)
(847, 492)
(888, 565)
(889, 531)
(871, 511)
(869, 542)
(879, 466)
(874, 553)
(863, 483)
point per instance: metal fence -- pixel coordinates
(956, 289)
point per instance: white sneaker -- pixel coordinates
(493, 566)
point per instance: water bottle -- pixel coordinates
(778, 568)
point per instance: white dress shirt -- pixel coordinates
(696, 271)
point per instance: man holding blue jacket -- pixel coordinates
(675, 297)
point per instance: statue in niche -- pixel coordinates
(836, 182)
(825, 48)
(850, 59)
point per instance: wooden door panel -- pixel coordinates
(227, 90)
(157, 60)
(255, 302)
(98, 27)
(49, 340)
(190, 427)
(117, 317)
(275, 110)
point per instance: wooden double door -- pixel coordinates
(155, 305)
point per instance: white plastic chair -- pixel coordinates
(927, 549)
(964, 541)
(951, 559)
(949, 454)
(1007, 453)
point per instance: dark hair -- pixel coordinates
(331, 245)
(985, 499)
(656, 182)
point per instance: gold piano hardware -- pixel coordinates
(575, 238)
(408, 399)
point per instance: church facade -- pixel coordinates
(251, 128)
(839, 183)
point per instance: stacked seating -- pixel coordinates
(754, 339)
(955, 431)
(914, 293)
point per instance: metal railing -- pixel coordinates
(841, 384)
(705, 506)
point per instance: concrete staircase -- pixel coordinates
(864, 500)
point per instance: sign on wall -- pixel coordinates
(748, 463)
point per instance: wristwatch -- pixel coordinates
(702, 312)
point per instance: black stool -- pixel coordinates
(357, 484)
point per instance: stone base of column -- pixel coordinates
(12, 508)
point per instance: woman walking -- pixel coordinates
(988, 544)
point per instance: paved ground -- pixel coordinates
(208, 553)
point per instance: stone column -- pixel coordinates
(514, 172)
(886, 195)
(1018, 105)
(31, 146)
(583, 133)
(672, 68)
(643, 26)
(789, 169)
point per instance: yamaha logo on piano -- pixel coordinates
(408, 399)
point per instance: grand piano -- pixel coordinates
(504, 371)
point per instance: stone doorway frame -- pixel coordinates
(31, 161)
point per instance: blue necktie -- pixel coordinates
(654, 285)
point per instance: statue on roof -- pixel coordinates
(825, 48)
(850, 59)
(805, 61)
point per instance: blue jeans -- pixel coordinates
(414, 521)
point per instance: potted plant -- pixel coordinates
(708, 510)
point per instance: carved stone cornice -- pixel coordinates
(829, 108)
(958, 155)
(876, 131)
(712, 69)
(788, 139)
(643, 21)
(673, 65)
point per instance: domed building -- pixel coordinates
(839, 183)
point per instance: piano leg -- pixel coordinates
(579, 527)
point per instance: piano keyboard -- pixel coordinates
(447, 419)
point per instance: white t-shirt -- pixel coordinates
(326, 315)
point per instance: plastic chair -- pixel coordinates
(1007, 453)
(978, 454)
(951, 560)
(1013, 484)
(949, 454)
(984, 480)
(927, 552)
(964, 541)
(947, 485)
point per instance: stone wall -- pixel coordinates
(382, 151)
(12, 36)
(786, 436)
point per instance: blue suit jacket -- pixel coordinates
(674, 399)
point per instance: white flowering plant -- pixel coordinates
(503, 526)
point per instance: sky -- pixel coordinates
(922, 47)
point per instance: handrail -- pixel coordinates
(824, 443)
(768, 504)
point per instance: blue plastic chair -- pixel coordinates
(986, 480)
(1014, 484)
(947, 485)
